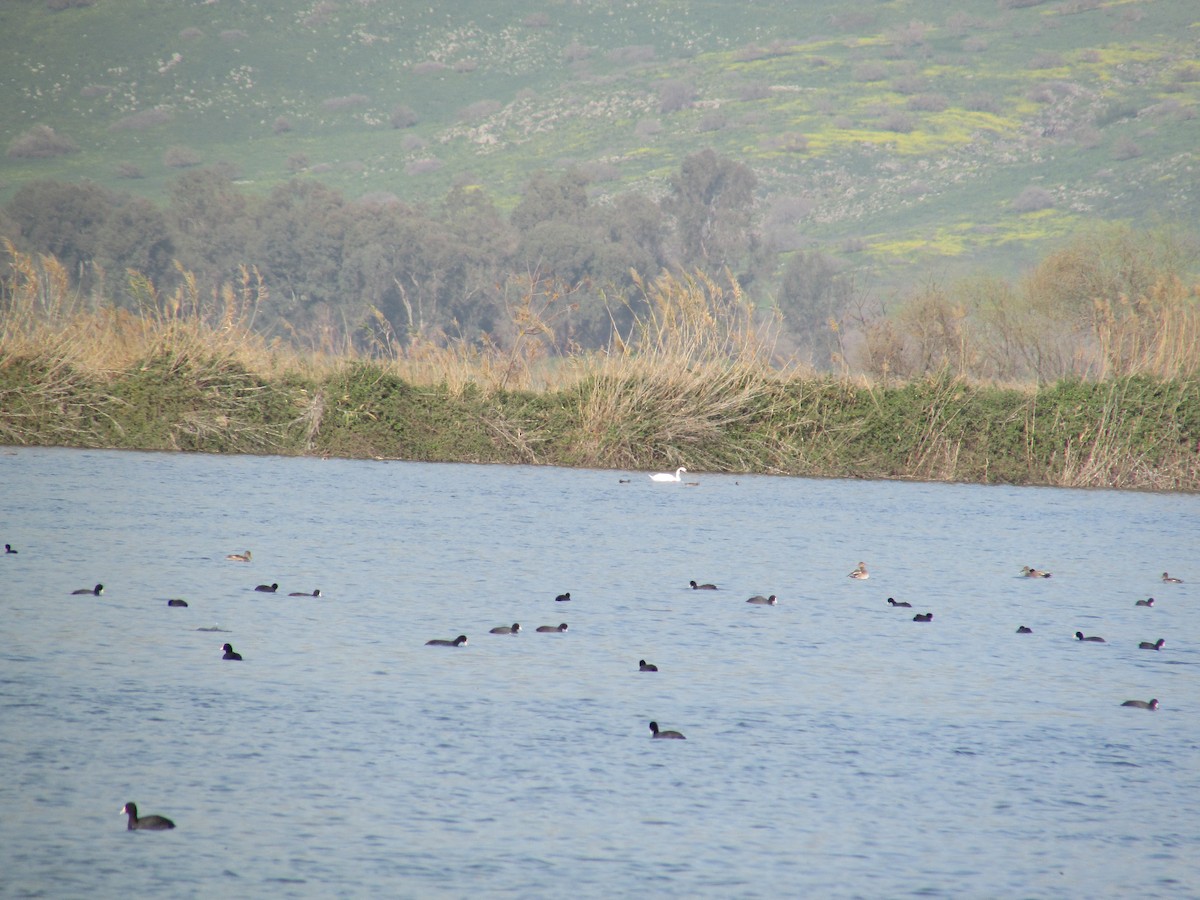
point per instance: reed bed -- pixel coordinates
(695, 381)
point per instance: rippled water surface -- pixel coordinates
(835, 748)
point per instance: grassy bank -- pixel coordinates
(695, 384)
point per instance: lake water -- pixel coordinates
(835, 748)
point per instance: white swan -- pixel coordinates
(667, 476)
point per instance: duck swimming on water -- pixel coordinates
(145, 823)
(670, 735)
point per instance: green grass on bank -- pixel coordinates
(1133, 432)
(695, 383)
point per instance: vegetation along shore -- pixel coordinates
(696, 380)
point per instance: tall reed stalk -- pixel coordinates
(686, 385)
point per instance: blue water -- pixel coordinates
(835, 748)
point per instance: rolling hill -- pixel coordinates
(905, 137)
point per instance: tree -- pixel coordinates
(210, 222)
(61, 219)
(297, 245)
(712, 201)
(136, 236)
(549, 198)
(813, 291)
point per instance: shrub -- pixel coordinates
(982, 103)
(648, 128)
(754, 90)
(928, 103)
(576, 52)
(1046, 60)
(281, 125)
(1115, 112)
(898, 122)
(349, 101)
(1033, 199)
(139, 121)
(675, 95)
(632, 55)
(1126, 148)
(41, 142)
(180, 157)
(423, 166)
(479, 110)
(909, 84)
(869, 71)
(428, 67)
(403, 116)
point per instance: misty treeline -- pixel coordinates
(378, 276)
(377, 269)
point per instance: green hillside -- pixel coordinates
(908, 137)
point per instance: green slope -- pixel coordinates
(912, 136)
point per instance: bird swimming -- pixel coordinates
(1094, 639)
(1155, 645)
(1142, 704)
(644, 666)
(563, 598)
(457, 642)
(1023, 630)
(230, 653)
(923, 617)
(702, 587)
(860, 572)
(8, 548)
(176, 601)
(760, 600)
(239, 557)
(1170, 579)
(1149, 601)
(1034, 573)
(316, 593)
(145, 823)
(95, 591)
(894, 602)
(514, 628)
(267, 588)
(671, 735)
(547, 629)
(667, 476)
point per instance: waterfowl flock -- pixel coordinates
(860, 572)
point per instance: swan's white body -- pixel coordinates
(667, 476)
